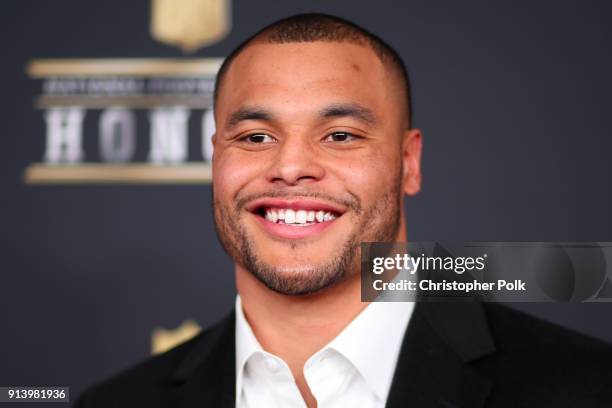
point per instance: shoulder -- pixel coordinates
(518, 330)
(153, 382)
(541, 358)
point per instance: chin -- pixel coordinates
(293, 264)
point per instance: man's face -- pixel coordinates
(310, 160)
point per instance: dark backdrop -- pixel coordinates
(513, 98)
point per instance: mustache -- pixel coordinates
(348, 200)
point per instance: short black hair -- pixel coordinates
(312, 27)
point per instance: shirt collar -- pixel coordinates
(371, 342)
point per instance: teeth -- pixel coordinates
(298, 217)
(289, 216)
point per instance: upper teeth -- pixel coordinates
(298, 217)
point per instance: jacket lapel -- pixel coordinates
(206, 378)
(433, 367)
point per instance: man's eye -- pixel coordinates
(259, 138)
(340, 137)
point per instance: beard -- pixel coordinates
(378, 223)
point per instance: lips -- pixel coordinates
(294, 219)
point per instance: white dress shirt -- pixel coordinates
(354, 370)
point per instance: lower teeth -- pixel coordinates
(296, 225)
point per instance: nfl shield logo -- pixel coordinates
(190, 24)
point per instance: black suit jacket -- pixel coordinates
(453, 355)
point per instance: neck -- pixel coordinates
(295, 327)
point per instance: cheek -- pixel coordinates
(371, 174)
(232, 171)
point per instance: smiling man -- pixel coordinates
(308, 163)
(315, 154)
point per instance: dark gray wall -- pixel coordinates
(513, 98)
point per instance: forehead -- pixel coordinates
(299, 74)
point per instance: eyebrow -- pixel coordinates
(353, 110)
(248, 113)
(336, 110)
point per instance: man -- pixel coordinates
(314, 154)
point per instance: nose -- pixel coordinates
(297, 163)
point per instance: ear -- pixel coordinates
(412, 144)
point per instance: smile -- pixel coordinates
(294, 219)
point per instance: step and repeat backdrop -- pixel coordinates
(108, 251)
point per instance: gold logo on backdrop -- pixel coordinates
(190, 24)
(163, 340)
